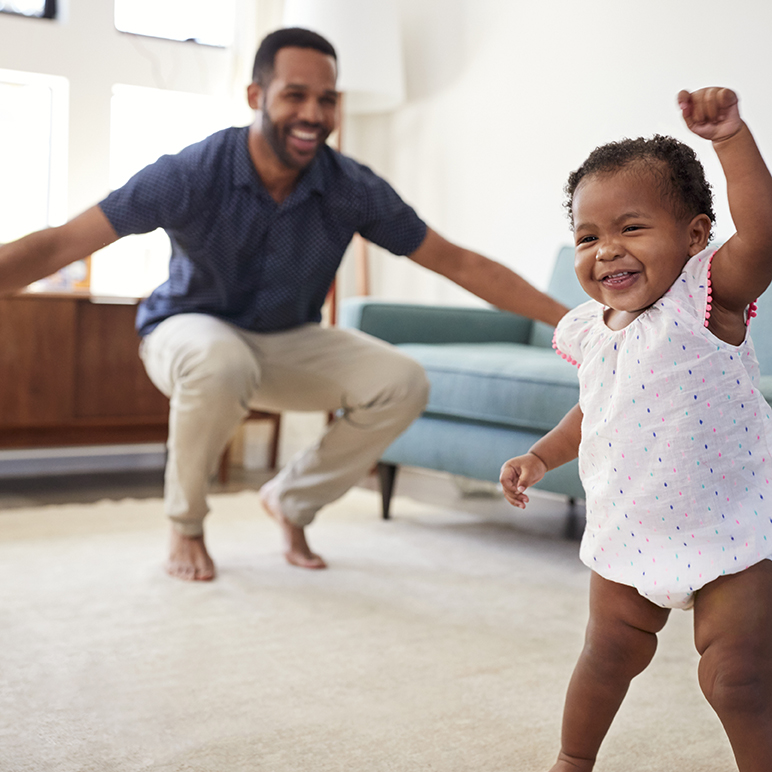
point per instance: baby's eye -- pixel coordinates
(632, 228)
(586, 239)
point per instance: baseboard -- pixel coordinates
(81, 460)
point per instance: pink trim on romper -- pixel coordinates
(708, 306)
(568, 358)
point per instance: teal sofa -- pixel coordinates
(496, 383)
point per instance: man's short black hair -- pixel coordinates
(297, 37)
(674, 165)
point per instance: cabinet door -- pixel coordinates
(37, 340)
(110, 379)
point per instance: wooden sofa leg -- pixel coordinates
(574, 528)
(387, 474)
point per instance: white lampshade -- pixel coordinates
(367, 39)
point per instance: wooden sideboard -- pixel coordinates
(70, 374)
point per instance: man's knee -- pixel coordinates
(406, 385)
(415, 383)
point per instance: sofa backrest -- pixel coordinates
(761, 332)
(410, 323)
(563, 286)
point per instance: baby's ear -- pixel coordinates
(699, 233)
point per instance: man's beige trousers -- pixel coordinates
(214, 373)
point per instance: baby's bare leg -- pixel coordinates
(620, 642)
(733, 634)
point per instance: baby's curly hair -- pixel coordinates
(675, 166)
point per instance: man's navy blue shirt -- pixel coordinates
(236, 253)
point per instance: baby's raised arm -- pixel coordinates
(742, 268)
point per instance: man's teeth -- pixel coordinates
(306, 135)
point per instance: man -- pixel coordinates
(259, 218)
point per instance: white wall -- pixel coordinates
(507, 96)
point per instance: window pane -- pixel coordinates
(33, 147)
(203, 21)
(44, 9)
(144, 124)
(148, 122)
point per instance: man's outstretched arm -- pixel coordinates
(487, 279)
(44, 252)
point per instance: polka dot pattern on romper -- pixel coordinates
(675, 444)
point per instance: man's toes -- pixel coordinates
(181, 571)
(305, 561)
(205, 574)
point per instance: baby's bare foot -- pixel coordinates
(188, 559)
(566, 763)
(297, 552)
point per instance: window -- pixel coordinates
(144, 124)
(202, 21)
(41, 9)
(33, 152)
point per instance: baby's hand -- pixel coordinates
(517, 474)
(711, 113)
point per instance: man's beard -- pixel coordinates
(271, 132)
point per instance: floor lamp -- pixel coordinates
(366, 36)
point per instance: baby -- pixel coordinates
(671, 431)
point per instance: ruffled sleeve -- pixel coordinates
(694, 287)
(572, 330)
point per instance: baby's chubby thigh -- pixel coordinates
(733, 635)
(622, 629)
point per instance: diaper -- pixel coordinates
(679, 600)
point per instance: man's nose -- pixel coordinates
(310, 111)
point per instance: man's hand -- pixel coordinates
(517, 474)
(711, 113)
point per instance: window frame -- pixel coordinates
(50, 11)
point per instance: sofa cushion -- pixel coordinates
(765, 387)
(509, 384)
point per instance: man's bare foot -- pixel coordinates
(298, 553)
(188, 558)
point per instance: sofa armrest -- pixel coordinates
(415, 323)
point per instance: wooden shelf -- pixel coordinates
(70, 373)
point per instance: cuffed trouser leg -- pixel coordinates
(376, 391)
(209, 374)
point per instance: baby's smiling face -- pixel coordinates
(630, 244)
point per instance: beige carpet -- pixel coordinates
(437, 642)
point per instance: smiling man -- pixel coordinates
(259, 218)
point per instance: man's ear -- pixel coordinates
(699, 233)
(255, 96)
